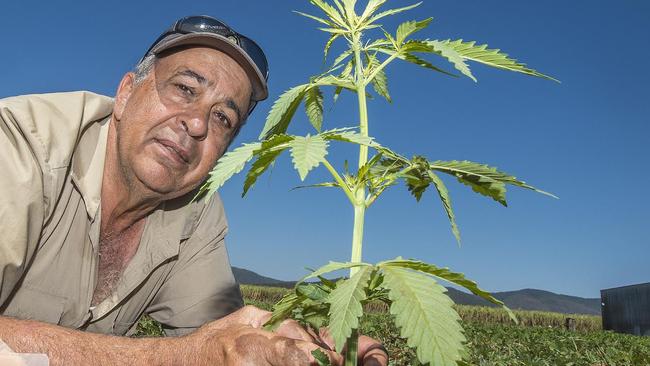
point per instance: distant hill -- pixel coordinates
(247, 277)
(526, 299)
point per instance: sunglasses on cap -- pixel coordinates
(206, 24)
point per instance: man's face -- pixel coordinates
(173, 126)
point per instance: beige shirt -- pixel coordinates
(52, 149)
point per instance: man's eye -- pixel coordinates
(185, 89)
(223, 119)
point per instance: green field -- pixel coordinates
(539, 339)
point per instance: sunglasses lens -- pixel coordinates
(256, 54)
(205, 24)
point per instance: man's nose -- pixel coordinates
(196, 126)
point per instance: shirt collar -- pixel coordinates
(88, 164)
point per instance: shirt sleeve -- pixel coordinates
(201, 286)
(21, 197)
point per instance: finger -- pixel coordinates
(292, 329)
(371, 352)
(289, 352)
(254, 316)
(335, 358)
(326, 337)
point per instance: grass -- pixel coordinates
(492, 339)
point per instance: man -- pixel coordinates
(99, 224)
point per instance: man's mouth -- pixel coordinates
(177, 152)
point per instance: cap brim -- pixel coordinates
(223, 44)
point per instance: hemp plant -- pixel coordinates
(417, 302)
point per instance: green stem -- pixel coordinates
(340, 181)
(351, 354)
(360, 192)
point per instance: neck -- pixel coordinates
(125, 202)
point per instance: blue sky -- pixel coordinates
(587, 139)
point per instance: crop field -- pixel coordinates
(492, 339)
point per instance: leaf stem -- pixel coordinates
(380, 67)
(340, 181)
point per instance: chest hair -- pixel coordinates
(115, 252)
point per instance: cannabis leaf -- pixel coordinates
(307, 153)
(229, 164)
(482, 54)
(425, 315)
(447, 275)
(345, 305)
(483, 179)
(282, 111)
(314, 107)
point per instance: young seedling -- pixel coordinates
(417, 302)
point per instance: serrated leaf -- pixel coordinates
(269, 150)
(379, 81)
(312, 291)
(307, 153)
(351, 15)
(371, 8)
(447, 275)
(482, 178)
(332, 13)
(490, 57)
(282, 111)
(347, 70)
(314, 107)
(318, 185)
(321, 358)
(334, 30)
(327, 283)
(329, 43)
(228, 165)
(316, 315)
(283, 309)
(331, 267)
(320, 20)
(448, 52)
(345, 54)
(391, 12)
(407, 28)
(425, 316)
(335, 81)
(409, 57)
(443, 193)
(337, 92)
(348, 135)
(345, 306)
(416, 186)
(258, 167)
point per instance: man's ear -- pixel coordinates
(123, 94)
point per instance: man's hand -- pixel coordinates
(239, 340)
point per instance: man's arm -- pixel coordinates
(71, 347)
(233, 340)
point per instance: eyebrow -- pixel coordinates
(187, 72)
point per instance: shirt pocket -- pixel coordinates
(30, 303)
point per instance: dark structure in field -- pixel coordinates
(627, 309)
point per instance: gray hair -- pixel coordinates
(143, 68)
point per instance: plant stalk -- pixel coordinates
(360, 191)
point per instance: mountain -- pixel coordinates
(526, 299)
(247, 277)
(532, 299)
